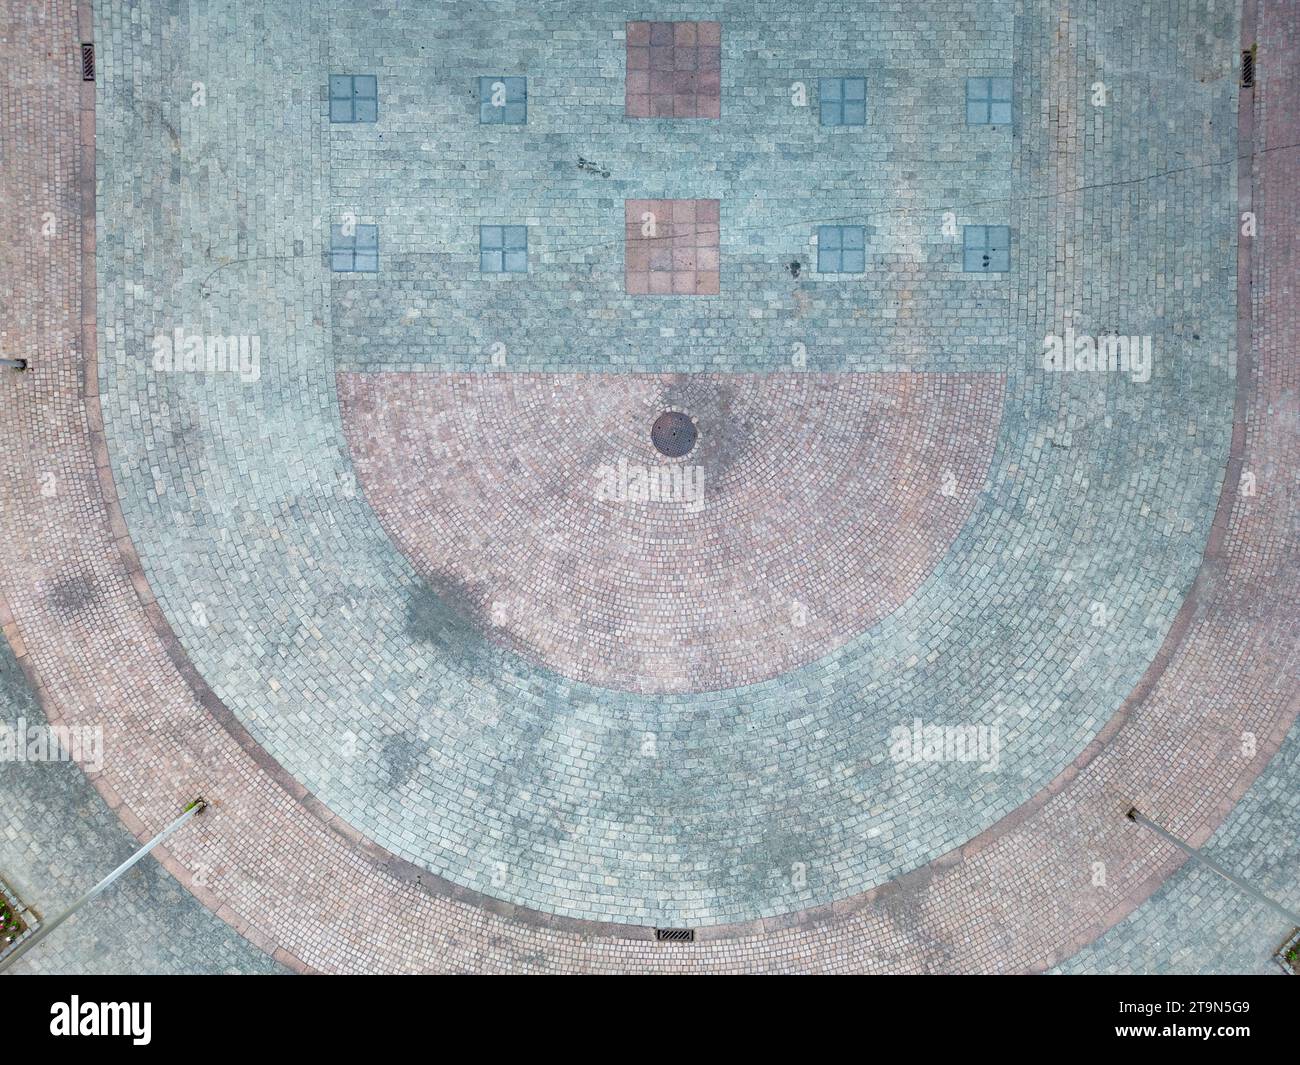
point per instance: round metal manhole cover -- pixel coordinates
(674, 434)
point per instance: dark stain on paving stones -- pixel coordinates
(187, 437)
(445, 613)
(724, 437)
(400, 757)
(471, 631)
(71, 595)
(754, 871)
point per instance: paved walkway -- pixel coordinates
(60, 838)
(122, 608)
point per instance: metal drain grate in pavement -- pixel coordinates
(674, 434)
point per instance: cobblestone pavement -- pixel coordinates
(60, 838)
(567, 566)
(765, 794)
(358, 589)
(1198, 923)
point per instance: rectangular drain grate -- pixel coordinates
(1248, 69)
(87, 62)
(675, 935)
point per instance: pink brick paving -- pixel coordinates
(671, 247)
(840, 474)
(1018, 897)
(674, 70)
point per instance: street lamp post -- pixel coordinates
(192, 810)
(1136, 816)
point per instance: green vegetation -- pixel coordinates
(11, 925)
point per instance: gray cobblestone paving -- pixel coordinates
(429, 173)
(378, 694)
(1197, 922)
(59, 838)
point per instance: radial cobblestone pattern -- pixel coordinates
(814, 507)
(354, 578)
(371, 673)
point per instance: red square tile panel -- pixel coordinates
(683, 61)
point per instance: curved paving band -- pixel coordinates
(733, 574)
(271, 859)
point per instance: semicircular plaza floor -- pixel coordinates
(336, 499)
